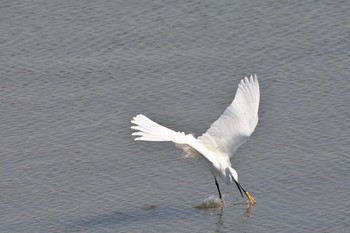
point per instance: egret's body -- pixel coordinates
(223, 137)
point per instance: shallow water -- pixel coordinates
(73, 74)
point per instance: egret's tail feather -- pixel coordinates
(149, 130)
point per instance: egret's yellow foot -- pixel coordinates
(251, 199)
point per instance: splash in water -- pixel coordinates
(211, 202)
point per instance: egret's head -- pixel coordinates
(233, 174)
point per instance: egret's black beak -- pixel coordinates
(240, 188)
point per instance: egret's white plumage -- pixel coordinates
(223, 137)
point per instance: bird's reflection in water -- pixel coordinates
(215, 207)
(249, 209)
(219, 223)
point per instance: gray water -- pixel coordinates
(74, 73)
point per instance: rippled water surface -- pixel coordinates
(74, 73)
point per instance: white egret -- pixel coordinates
(221, 140)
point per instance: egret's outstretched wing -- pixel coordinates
(238, 121)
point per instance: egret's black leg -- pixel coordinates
(217, 185)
